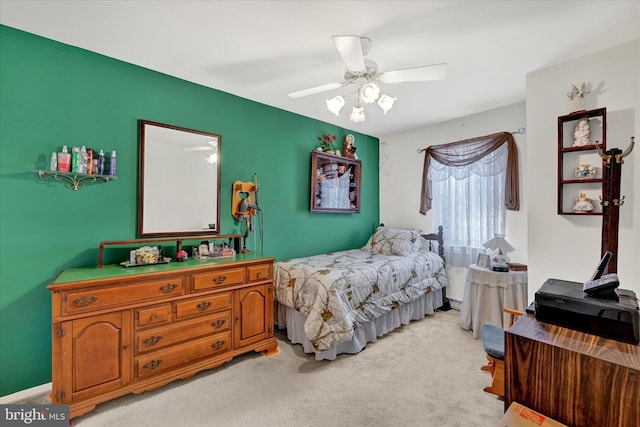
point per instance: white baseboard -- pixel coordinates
(455, 304)
(22, 395)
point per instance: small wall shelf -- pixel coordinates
(75, 181)
(571, 155)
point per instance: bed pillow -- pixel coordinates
(394, 241)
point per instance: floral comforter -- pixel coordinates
(339, 291)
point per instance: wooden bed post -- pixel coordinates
(439, 237)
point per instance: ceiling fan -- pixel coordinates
(364, 75)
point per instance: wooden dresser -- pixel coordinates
(126, 330)
(579, 379)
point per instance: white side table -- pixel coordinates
(486, 293)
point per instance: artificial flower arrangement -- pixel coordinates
(326, 143)
(147, 255)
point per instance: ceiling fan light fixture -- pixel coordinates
(362, 75)
(386, 102)
(370, 92)
(357, 114)
(335, 104)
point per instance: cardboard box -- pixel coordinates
(520, 416)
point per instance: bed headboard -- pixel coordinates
(438, 237)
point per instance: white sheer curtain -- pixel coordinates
(469, 203)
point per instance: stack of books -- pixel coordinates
(516, 266)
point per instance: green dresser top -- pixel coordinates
(111, 271)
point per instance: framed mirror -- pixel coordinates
(335, 183)
(178, 181)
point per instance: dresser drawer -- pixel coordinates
(165, 336)
(94, 299)
(230, 276)
(259, 272)
(203, 305)
(156, 315)
(161, 360)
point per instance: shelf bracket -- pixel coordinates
(75, 181)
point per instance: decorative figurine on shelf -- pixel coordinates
(583, 204)
(585, 170)
(349, 147)
(582, 133)
(576, 96)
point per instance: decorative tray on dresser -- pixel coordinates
(118, 330)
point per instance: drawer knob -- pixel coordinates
(84, 300)
(204, 305)
(152, 340)
(258, 274)
(169, 287)
(218, 344)
(152, 364)
(154, 316)
(218, 280)
(218, 323)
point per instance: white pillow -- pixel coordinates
(394, 241)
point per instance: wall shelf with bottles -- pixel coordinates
(75, 181)
(580, 135)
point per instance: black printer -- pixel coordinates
(564, 303)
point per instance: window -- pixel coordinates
(468, 201)
(471, 183)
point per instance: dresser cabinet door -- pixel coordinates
(96, 354)
(253, 310)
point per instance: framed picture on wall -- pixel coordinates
(483, 261)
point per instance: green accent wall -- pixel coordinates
(53, 94)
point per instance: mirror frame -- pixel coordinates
(173, 175)
(318, 161)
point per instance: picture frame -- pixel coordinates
(335, 183)
(483, 261)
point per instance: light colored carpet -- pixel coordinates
(426, 373)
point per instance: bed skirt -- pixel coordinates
(293, 321)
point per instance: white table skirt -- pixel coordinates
(486, 293)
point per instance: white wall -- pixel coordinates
(401, 175)
(568, 247)
(553, 246)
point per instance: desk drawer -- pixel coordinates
(127, 293)
(230, 276)
(161, 360)
(165, 336)
(203, 305)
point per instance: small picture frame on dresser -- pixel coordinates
(483, 260)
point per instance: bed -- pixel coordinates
(338, 302)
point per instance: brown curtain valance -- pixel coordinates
(476, 148)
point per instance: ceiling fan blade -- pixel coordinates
(313, 90)
(350, 48)
(416, 74)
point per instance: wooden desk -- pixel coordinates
(576, 378)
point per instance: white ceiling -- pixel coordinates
(262, 50)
